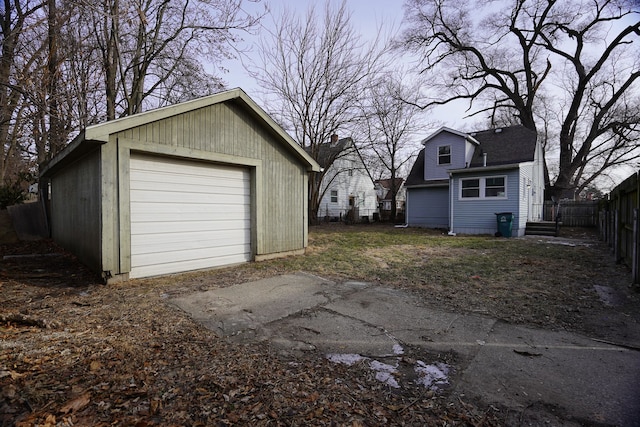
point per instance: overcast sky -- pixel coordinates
(366, 18)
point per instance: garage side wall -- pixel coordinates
(227, 133)
(75, 209)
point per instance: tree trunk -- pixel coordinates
(110, 55)
(55, 133)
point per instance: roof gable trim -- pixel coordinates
(101, 132)
(466, 136)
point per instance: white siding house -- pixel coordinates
(346, 184)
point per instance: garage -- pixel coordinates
(210, 182)
(187, 215)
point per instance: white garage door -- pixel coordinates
(187, 215)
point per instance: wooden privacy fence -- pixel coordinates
(573, 213)
(619, 224)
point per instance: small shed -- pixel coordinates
(205, 183)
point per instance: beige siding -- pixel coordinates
(75, 209)
(279, 181)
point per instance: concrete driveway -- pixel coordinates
(536, 375)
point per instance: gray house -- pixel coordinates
(459, 181)
(209, 182)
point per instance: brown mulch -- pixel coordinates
(76, 352)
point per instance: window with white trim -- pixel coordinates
(470, 188)
(493, 187)
(334, 196)
(444, 155)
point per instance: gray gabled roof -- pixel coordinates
(504, 147)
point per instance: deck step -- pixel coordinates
(541, 228)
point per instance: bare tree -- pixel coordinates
(146, 46)
(509, 55)
(390, 121)
(16, 19)
(67, 64)
(314, 70)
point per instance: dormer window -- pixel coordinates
(444, 155)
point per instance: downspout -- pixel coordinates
(451, 193)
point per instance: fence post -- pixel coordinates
(636, 240)
(616, 236)
(609, 229)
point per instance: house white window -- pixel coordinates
(470, 188)
(444, 155)
(334, 196)
(494, 187)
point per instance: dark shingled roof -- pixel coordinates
(510, 146)
(416, 176)
(328, 153)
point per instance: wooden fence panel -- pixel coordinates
(574, 213)
(619, 224)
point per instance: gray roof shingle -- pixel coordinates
(508, 146)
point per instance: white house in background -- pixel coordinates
(346, 186)
(460, 181)
(385, 198)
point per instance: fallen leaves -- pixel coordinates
(26, 320)
(118, 355)
(76, 404)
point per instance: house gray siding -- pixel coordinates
(76, 201)
(428, 207)
(477, 216)
(458, 147)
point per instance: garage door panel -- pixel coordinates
(188, 255)
(187, 215)
(230, 197)
(172, 267)
(145, 230)
(143, 182)
(187, 167)
(211, 238)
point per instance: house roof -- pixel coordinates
(328, 152)
(505, 147)
(466, 136)
(99, 134)
(386, 184)
(416, 176)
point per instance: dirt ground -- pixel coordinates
(76, 352)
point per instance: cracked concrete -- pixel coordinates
(555, 377)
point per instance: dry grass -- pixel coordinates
(119, 355)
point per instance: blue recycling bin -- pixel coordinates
(505, 223)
